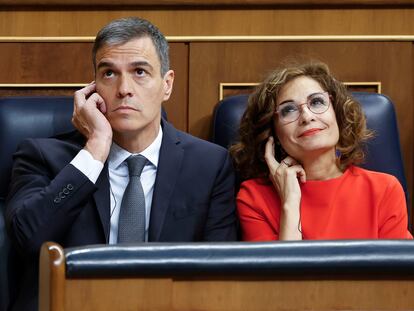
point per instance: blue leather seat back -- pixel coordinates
(383, 151)
(23, 117)
(291, 258)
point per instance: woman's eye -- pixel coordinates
(287, 109)
(318, 101)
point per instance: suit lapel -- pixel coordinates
(101, 197)
(169, 164)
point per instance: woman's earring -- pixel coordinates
(338, 153)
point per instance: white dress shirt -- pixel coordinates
(119, 178)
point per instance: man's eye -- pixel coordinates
(108, 73)
(140, 72)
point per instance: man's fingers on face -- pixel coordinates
(99, 102)
(89, 90)
(101, 106)
(89, 86)
(79, 99)
(86, 91)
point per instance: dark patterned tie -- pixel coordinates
(131, 226)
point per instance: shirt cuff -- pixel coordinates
(90, 167)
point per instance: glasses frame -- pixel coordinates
(277, 111)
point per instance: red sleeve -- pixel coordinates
(253, 213)
(393, 222)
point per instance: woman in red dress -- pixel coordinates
(300, 139)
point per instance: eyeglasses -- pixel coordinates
(289, 111)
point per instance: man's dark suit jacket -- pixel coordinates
(51, 200)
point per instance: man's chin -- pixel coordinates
(133, 129)
(128, 126)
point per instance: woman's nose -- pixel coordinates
(305, 114)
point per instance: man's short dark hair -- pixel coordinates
(120, 31)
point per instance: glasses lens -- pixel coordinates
(318, 103)
(288, 112)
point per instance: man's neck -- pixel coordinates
(136, 142)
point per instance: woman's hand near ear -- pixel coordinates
(285, 177)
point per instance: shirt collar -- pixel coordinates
(118, 155)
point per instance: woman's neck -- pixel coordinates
(321, 167)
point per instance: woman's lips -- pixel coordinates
(310, 132)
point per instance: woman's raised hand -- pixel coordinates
(285, 177)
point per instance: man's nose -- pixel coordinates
(125, 86)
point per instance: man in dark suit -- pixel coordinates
(70, 188)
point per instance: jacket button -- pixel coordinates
(61, 195)
(56, 200)
(69, 186)
(65, 191)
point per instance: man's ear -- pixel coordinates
(168, 84)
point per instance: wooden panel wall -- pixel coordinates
(222, 22)
(200, 66)
(209, 3)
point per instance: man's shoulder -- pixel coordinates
(68, 142)
(71, 137)
(198, 142)
(199, 150)
(190, 142)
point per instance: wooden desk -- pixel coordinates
(187, 277)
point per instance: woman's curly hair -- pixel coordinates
(257, 122)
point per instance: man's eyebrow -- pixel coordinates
(104, 65)
(141, 64)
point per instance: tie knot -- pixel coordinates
(136, 164)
